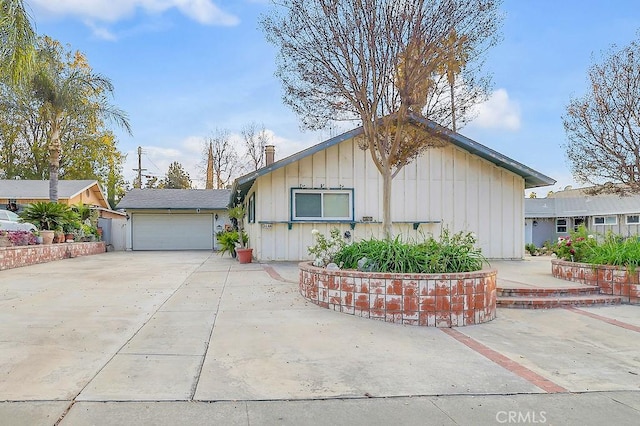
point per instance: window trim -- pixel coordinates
(322, 191)
(604, 220)
(632, 223)
(565, 225)
(251, 208)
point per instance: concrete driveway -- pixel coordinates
(196, 338)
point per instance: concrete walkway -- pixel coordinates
(164, 338)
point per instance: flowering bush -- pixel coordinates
(577, 247)
(324, 249)
(17, 238)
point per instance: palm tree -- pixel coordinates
(65, 89)
(454, 56)
(17, 37)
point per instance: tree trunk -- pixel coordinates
(54, 160)
(387, 227)
(453, 110)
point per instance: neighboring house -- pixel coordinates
(175, 219)
(22, 192)
(464, 186)
(19, 193)
(547, 219)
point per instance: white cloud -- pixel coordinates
(188, 152)
(202, 11)
(498, 112)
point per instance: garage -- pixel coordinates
(174, 219)
(172, 231)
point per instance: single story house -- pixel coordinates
(15, 194)
(175, 219)
(464, 186)
(70, 192)
(547, 219)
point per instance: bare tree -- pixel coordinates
(377, 61)
(603, 126)
(255, 139)
(225, 157)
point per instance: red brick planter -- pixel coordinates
(433, 300)
(611, 280)
(15, 257)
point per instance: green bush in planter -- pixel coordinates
(46, 216)
(229, 240)
(451, 254)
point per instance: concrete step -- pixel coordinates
(580, 290)
(548, 302)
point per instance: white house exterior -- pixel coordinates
(464, 186)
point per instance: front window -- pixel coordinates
(561, 226)
(252, 208)
(605, 220)
(633, 219)
(319, 204)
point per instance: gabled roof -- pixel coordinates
(581, 205)
(39, 189)
(177, 199)
(531, 177)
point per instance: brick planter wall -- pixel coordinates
(433, 300)
(14, 257)
(611, 280)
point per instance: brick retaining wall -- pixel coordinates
(611, 280)
(433, 300)
(15, 257)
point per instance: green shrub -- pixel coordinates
(531, 248)
(47, 216)
(452, 253)
(228, 241)
(324, 249)
(616, 251)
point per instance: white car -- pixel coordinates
(9, 221)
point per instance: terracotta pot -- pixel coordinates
(47, 236)
(244, 255)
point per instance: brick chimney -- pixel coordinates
(269, 154)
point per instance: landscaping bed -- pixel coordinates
(433, 300)
(17, 256)
(612, 280)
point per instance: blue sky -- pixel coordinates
(184, 68)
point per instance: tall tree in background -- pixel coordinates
(209, 179)
(255, 138)
(17, 39)
(603, 126)
(176, 178)
(453, 58)
(377, 61)
(225, 158)
(63, 92)
(88, 149)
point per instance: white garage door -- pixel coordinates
(172, 231)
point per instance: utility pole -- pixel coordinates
(139, 169)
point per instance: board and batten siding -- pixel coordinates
(457, 190)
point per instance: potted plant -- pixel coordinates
(228, 241)
(48, 217)
(244, 253)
